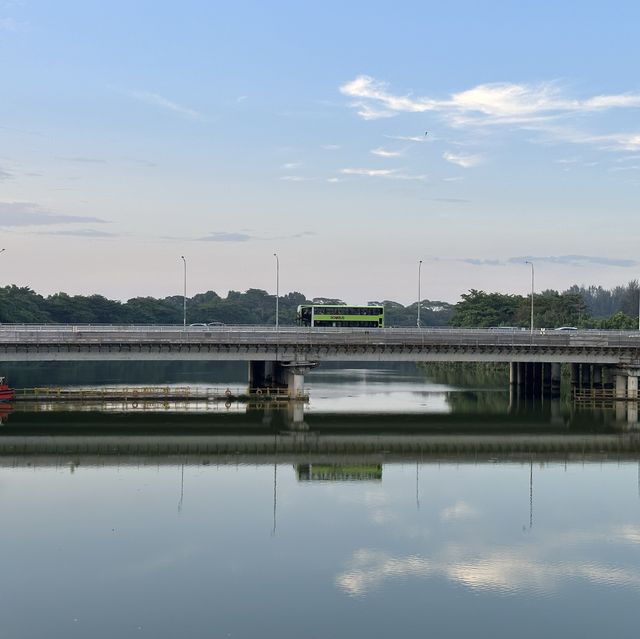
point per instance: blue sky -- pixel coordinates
(135, 132)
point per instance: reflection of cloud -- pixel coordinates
(369, 568)
(460, 510)
(507, 571)
(30, 214)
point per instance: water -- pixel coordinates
(396, 506)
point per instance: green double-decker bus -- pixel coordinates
(341, 316)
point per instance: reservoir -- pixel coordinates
(398, 501)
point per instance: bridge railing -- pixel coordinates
(267, 335)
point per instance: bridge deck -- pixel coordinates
(246, 343)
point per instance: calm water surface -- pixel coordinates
(383, 512)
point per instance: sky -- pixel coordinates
(352, 139)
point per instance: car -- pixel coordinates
(216, 324)
(565, 328)
(198, 325)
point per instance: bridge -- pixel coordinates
(601, 361)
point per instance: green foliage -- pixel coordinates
(255, 306)
(481, 310)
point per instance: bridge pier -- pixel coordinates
(535, 380)
(278, 376)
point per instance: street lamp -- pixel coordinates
(277, 287)
(419, 296)
(532, 289)
(184, 296)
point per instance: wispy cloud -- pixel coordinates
(562, 260)
(83, 160)
(330, 147)
(225, 237)
(5, 175)
(157, 100)
(390, 174)
(543, 107)
(86, 233)
(386, 153)
(369, 172)
(296, 178)
(575, 260)
(291, 165)
(500, 101)
(248, 236)
(20, 214)
(407, 138)
(466, 161)
(8, 24)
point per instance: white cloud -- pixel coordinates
(369, 172)
(296, 178)
(162, 102)
(330, 147)
(494, 103)
(392, 174)
(465, 161)
(291, 165)
(385, 153)
(408, 138)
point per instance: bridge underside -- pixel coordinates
(599, 364)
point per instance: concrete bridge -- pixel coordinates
(601, 361)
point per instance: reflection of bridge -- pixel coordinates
(263, 437)
(601, 360)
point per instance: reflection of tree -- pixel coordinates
(467, 374)
(29, 374)
(478, 402)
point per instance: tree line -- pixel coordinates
(583, 307)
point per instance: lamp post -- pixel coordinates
(184, 296)
(419, 296)
(277, 287)
(532, 289)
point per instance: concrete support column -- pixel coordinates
(513, 374)
(556, 377)
(537, 380)
(529, 379)
(597, 376)
(295, 383)
(575, 377)
(546, 380)
(621, 386)
(632, 387)
(632, 412)
(608, 378)
(585, 370)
